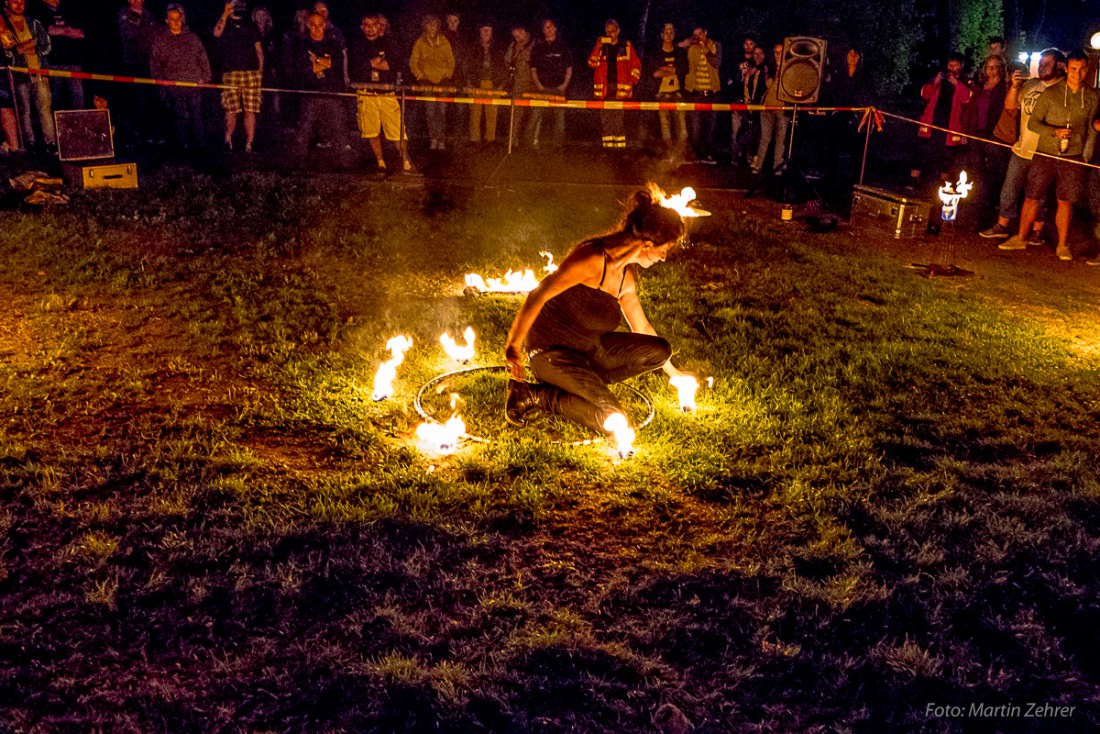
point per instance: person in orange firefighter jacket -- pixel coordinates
(617, 69)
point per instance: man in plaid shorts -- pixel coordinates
(242, 68)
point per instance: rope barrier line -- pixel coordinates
(447, 96)
(987, 141)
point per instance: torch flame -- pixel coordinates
(550, 266)
(619, 427)
(682, 203)
(463, 353)
(951, 194)
(387, 371)
(686, 387)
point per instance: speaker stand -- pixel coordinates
(788, 172)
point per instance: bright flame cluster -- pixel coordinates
(686, 387)
(441, 438)
(514, 281)
(619, 428)
(462, 353)
(950, 196)
(387, 371)
(682, 203)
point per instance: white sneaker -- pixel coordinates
(1063, 253)
(1013, 243)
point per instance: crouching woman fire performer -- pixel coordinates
(567, 326)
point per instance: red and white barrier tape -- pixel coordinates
(448, 96)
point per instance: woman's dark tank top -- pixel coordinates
(577, 317)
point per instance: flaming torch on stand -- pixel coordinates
(950, 196)
(387, 371)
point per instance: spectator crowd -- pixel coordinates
(1053, 113)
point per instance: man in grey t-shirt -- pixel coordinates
(1051, 68)
(1063, 121)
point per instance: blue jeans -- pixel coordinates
(35, 93)
(70, 90)
(773, 124)
(1012, 190)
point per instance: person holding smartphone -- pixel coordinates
(617, 69)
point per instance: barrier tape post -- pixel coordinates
(866, 145)
(15, 109)
(401, 124)
(511, 122)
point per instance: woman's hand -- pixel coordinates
(513, 357)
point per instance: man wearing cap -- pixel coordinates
(374, 63)
(617, 69)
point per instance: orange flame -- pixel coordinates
(683, 203)
(550, 266)
(686, 387)
(951, 194)
(459, 353)
(619, 427)
(441, 438)
(387, 371)
(514, 281)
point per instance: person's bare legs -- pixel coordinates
(11, 129)
(249, 129)
(1029, 212)
(1062, 219)
(230, 127)
(376, 148)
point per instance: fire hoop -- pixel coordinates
(423, 412)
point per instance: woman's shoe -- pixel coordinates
(521, 399)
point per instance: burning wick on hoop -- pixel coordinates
(619, 427)
(459, 353)
(443, 438)
(950, 196)
(514, 281)
(686, 387)
(387, 371)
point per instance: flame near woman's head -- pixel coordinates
(684, 203)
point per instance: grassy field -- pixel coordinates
(889, 499)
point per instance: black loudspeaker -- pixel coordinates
(801, 70)
(84, 135)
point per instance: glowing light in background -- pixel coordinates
(459, 353)
(550, 266)
(387, 371)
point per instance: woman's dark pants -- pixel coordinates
(576, 382)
